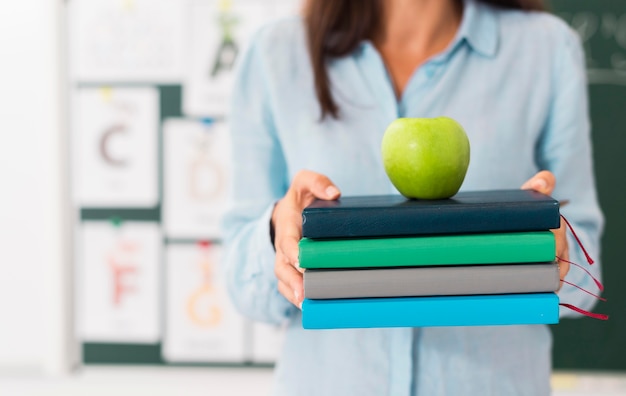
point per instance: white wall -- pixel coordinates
(33, 217)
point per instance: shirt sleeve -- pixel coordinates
(566, 149)
(259, 180)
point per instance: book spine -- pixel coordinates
(431, 281)
(507, 309)
(375, 222)
(504, 248)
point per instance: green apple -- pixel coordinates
(426, 158)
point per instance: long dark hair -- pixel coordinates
(334, 28)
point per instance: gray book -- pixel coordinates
(431, 281)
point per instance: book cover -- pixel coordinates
(513, 247)
(473, 310)
(431, 281)
(466, 212)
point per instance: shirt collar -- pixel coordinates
(479, 28)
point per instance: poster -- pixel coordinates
(127, 40)
(118, 282)
(201, 324)
(115, 139)
(196, 176)
(219, 32)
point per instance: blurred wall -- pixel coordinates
(32, 217)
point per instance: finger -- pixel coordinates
(287, 274)
(314, 185)
(560, 237)
(288, 236)
(286, 291)
(562, 251)
(288, 248)
(291, 280)
(542, 182)
(563, 263)
(563, 269)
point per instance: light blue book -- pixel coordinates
(468, 310)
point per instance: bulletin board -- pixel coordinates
(150, 172)
(182, 84)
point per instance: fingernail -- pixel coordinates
(331, 191)
(300, 306)
(296, 295)
(540, 184)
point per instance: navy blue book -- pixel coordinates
(469, 310)
(490, 211)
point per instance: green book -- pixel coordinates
(514, 247)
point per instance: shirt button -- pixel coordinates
(429, 71)
(401, 109)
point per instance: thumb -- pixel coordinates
(542, 182)
(331, 192)
(318, 185)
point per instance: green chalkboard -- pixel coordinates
(587, 343)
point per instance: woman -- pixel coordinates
(312, 100)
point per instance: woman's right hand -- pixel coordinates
(287, 222)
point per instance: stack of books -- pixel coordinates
(478, 258)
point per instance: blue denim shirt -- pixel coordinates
(516, 82)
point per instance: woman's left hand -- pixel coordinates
(544, 182)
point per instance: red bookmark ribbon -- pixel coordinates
(597, 282)
(586, 313)
(589, 259)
